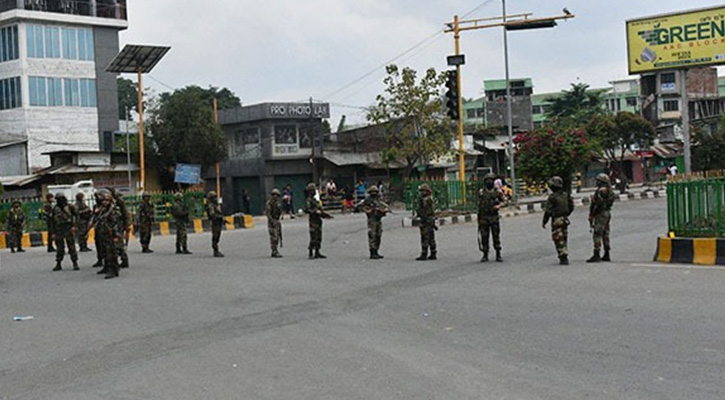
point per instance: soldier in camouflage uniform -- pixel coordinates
(216, 219)
(84, 219)
(124, 222)
(490, 200)
(558, 207)
(313, 209)
(63, 220)
(16, 225)
(100, 247)
(600, 208)
(145, 221)
(426, 213)
(273, 210)
(46, 212)
(109, 229)
(180, 212)
(375, 209)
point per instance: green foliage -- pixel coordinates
(413, 115)
(708, 149)
(182, 130)
(550, 151)
(574, 108)
(127, 96)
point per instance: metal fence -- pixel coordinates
(448, 195)
(695, 205)
(162, 202)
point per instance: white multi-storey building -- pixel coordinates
(54, 90)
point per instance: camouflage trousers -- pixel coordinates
(81, 236)
(274, 227)
(560, 234)
(15, 238)
(428, 237)
(375, 233)
(216, 235)
(488, 228)
(315, 236)
(181, 235)
(113, 247)
(144, 234)
(601, 230)
(63, 238)
(100, 247)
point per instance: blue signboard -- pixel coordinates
(188, 173)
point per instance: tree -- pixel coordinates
(573, 108)
(417, 129)
(615, 134)
(127, 96)
(708, 149)
(551, 151)
(181, 129)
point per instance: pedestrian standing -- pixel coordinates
(288, 204)
(180, 212)
(425, 212)
(84, 219)
(375, 209)
(273, 210)
(46, 212)
(600, 207)
(16, 226)
(145, 220)
(64, 217)
(313, 209)
(214, 213)
(490, 201)
(559, 205)
(246, 201)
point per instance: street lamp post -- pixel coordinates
(509, 117)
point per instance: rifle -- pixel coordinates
(279, 231)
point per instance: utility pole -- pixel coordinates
(461, 153)
(140, 131)
(311, 128)
(685, 106)
(218, 179)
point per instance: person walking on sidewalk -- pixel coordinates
(600, 215)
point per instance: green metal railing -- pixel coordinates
(695, 205)
(448, 195)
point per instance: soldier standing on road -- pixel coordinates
(273, 210)
(84, 219)
(600, 208)
(375, 209)
(46, 211)
(214, 213)
(109, 229)
(100, 246)
(490, 200)
(63, 221)
(558, 207)
(180, 212)
(426, 213)
(16, 225)
(145, 221)
(315, 215)
(124, 221)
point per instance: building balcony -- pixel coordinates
(112, 9)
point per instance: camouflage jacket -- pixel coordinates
(273, 210)
(426, 209)
(602, 200)
(16, 218)
(375, 209)
(314, 210)
(214, 212)
(488, 199)
(108, 222)
(84, 212)
(559, 204)
(145, 214)
(63, 218)
(180, 211)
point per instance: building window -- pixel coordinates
(285, 134)
(671, 105)
(57, 92)
(631, 101)
(9, 43)
(614, 105)
(10, 93)
(536, 110)
(56, 42)
(668, 77)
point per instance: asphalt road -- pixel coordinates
(251, 327)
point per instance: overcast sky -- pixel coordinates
(335, 50)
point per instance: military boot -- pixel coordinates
(423, 255)
(498, 256)
(433, 255)
(178, 250)
(75, 266)
(311, 254)
(218, 253)
(20, 250)
(595, 257)
(380, 256)
(12, 249)
(564, 260)
(186, 250)
(146, 250)
(605, 257)
(374, 255)
(57, 266)
(275, 254)
(98, 264)
(102, 271)
(319, 255)
(484, 258)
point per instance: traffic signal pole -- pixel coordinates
(461, 154)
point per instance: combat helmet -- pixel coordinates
(178, 195)
(373, 189)
(80, 195)
(275, 192)
(104, 194)
(60, 195)
(311, 187)
(556, 182)
(490, 176)
(211, 195)
(145, 194)
(603, 178)
(424, 188)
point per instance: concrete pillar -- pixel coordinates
(94, 8)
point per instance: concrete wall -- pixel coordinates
(106, 49)
(14, 160)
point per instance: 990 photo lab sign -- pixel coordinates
(299, 110)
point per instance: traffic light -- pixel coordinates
(452, 94)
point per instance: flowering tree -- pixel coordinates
(551, 151)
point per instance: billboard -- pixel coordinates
(678, 40)
(188, 173)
